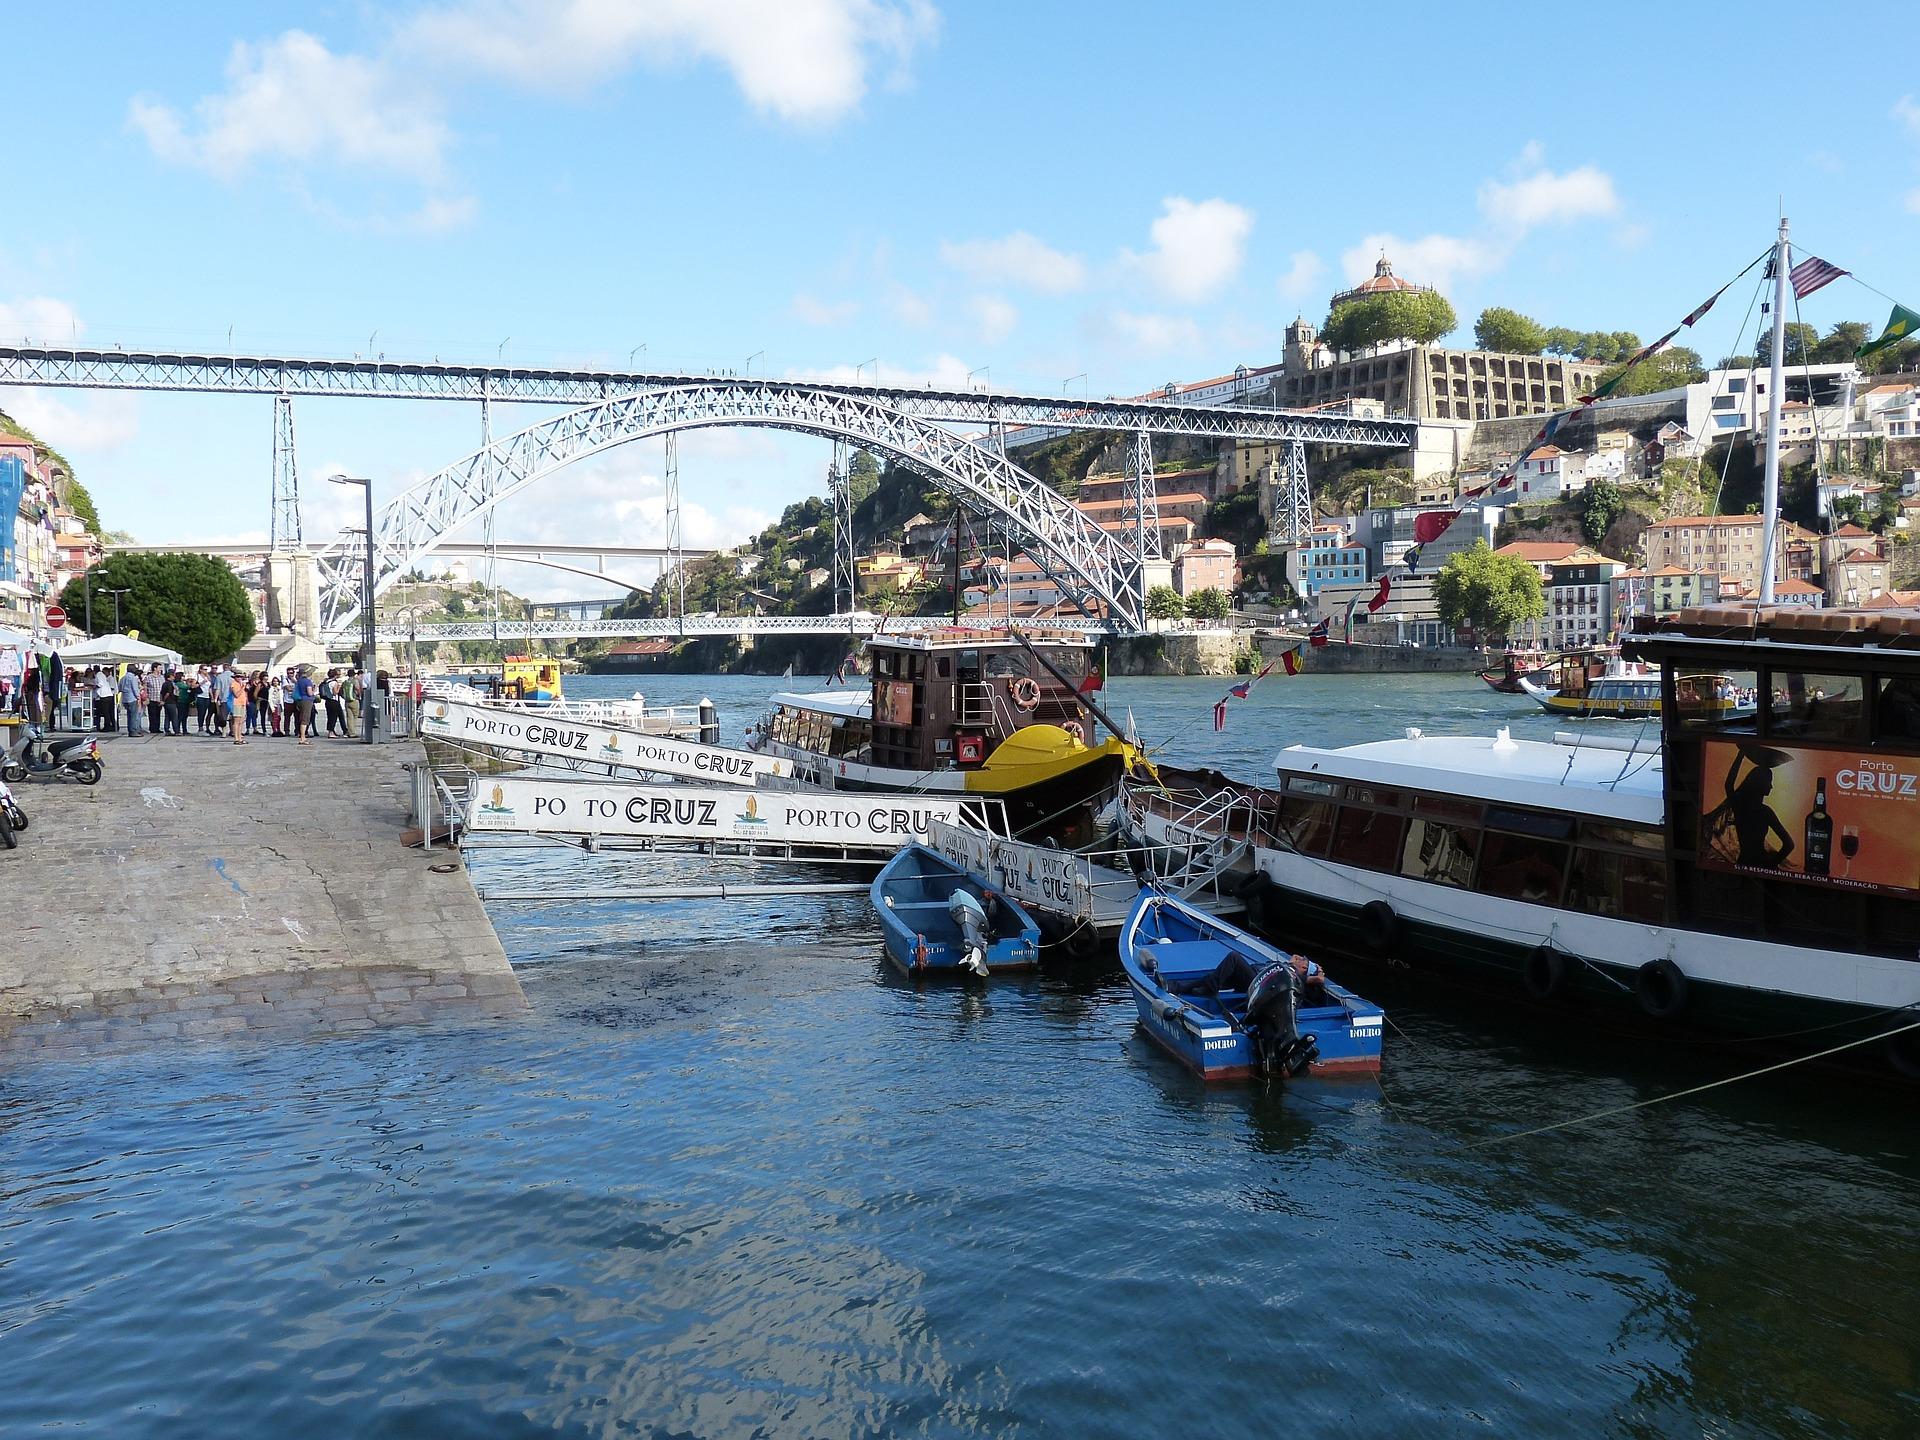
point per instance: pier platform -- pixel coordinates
(204, 888)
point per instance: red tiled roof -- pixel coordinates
(1861, 557)
(1795, 587)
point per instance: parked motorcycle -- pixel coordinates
(12, 818)
(76, 757)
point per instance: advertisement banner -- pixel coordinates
(1839, 817)
(679, 812)
(466, 724)
(1055, 881)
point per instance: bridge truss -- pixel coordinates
(859, 623)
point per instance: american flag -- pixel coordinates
(1810, 274)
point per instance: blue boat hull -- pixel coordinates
(1168, 942)
(910, 898)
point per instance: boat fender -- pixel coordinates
(1076, 730)
(1025, 692)
(919, 952)
(1080, 942)
(1545, 971)
(1379, 927)
(1903, 1052)
(1661, 987)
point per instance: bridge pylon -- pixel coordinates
(284, 531)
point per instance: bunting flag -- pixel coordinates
(1317, 636)
(1220, 715)
(1352, 606)
(1412, 558)
(1430, 525)
(1810, 274)
(1293, 661)
(1245, 688)
(1380, 596)
(1901, 324)
(1242, 690)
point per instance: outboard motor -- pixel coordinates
(1273, 1019)
(971, 917)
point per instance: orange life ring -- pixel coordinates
(1076, 730)
(1025, 692)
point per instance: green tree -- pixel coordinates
(1599, 508)
(1799, 342)
(1209, 604)
(1665, 371)
(190, 603)
(1559, 340)
(1488, 593)
(456, 606)
(1625, 342)
(1422, 315)
(1164, 603)
(81, 503)
(1839, 343)
(1735, 362)
(864, 475)
(1499, 328)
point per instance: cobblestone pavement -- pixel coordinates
(205, 888)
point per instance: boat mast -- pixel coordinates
(1774, 397)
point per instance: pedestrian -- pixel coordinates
(170, 701)
(303, 693)
(221, 688)
(133, 699)
(350, 703)
(154, 685)
(330, 696)
(202, 700)
(237, 701)
(276, 702)
(102, 699)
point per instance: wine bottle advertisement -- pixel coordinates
(1842, 817)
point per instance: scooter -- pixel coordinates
(12, 818)
(34, 754)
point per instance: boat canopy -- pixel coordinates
(846, 704)
(1602, 783)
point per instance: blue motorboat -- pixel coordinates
(1228, 1005)
(939, 919)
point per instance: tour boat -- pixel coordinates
(1516, 666)
(1228, 1005)
(962, 712)
(937, 918)
(1755, 872)
(1629, 692)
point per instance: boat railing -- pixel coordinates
(1221, 815)
(976, 703)
(633, 714)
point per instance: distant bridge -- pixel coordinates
(695, 627)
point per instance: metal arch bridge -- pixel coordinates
(119, 369)
(858, 625)
(1089, 563)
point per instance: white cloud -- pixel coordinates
(812, 311)
(1016, 259)
(294, 100)
(1435, 260)
(40, 318)
(1197, 247)
(1302, 273)
(943, 372)
(802, 61)
(1544, 198)
(1907, 111)
(1147, 334)
(994, 317)
(104, 420)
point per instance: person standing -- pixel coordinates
(133, 699)
(350, 703)
(52, 688)
(102, 699)
(276, 702)
(202, 701)
(303, 692)
(222, 688)
(238, 698)
(330, 697)
(154, 685)
(170, 701)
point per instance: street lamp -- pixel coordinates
(367, 691)
(116, 610)
(756, 355)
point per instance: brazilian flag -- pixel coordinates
(1901, 324)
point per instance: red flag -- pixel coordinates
(1092, 683)
(1430, 525)
(1292, 661)
(1380, 597)
(1220, 715)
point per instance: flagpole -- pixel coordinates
(1774, 398)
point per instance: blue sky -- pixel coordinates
(1136, 192)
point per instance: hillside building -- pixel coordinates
(1330, 557)
(1580, 602)
(1203, 565)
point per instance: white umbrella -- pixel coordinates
(117, 650)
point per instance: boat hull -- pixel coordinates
(910, 898)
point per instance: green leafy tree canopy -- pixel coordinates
(1164, 603)
(1209, 604)
(1499, 328)
(1796, 348)
(1599, 508)
(1422, 315)
(1488, 593)
(1665, 371)
(190, 603)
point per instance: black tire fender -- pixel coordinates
(1378, 927)
(1903, 1053)
(1545, 971)
(1661, 988)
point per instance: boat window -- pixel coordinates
(1637, 837)
(1897, 717)
(1443, 807)
(1522, 867)
(1439, 851)
(1716, 700)
(1369, 838)
(1622, 887)
(1815, 707)
(1006, 665)
(946, 668)
(1529, 822)
(1070, 663)
(1307, 785)
(1374, 795)
(1307, 822)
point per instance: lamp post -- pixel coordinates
(116, 608)
(366, 608)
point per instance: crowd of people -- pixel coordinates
(218, 700)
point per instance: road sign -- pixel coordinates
(56, 617)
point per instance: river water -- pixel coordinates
(730, 1177)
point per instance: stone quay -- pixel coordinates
(207, 889)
